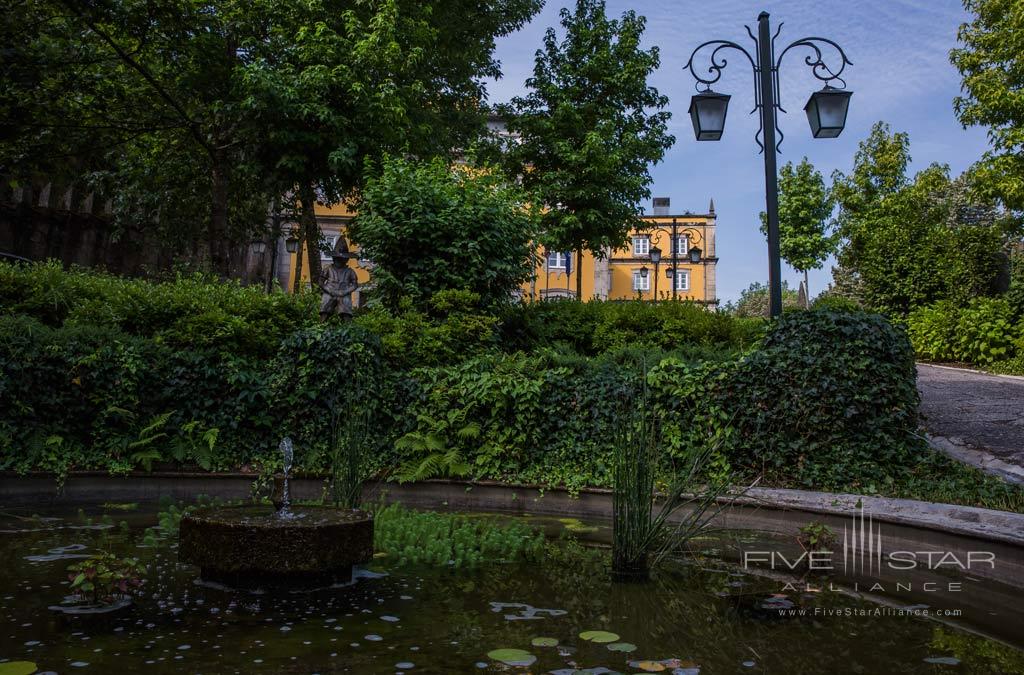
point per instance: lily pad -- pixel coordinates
(17, 668)
(512, 657)
(649, 666)
(598, 636)
(544, 642)
(622, 647)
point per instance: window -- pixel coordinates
(640, 282)
(641, 245)
(556, 260)
(682, 280)
(682, 245)
(329, 240)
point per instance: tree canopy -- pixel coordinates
(990, 61)
(804, 209)
(193, 115)
(428, 227)
(589, 129)
(910, 242)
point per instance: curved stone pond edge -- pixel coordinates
(777, 510)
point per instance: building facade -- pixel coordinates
(630, 273)
(627, 273)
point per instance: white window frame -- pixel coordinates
(640, 282)
(682, 245)
(682, 280)
(559, 260)
(641, 245)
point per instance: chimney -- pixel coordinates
(661, 206)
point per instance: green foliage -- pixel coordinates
(595, 327)
(429, 226)
(981, 332)
(427, 451)
(804, 208)
(104, 578)
(440, 539)
(815, 536)
(829, 399)
(450, 326)
(753, 301)
(908, 244)
(989, 60)
(590, 128)
(186, 312)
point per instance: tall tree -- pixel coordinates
(227, 102)
(804, 209)
(908, 243)
(991, 61)
(589, 129)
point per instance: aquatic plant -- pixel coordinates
(413, 537)
(350, 435)
(104, 578)
(647, 527)
(815, 536)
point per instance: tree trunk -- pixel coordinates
(218, 227)
(579, 273)
(311, 230)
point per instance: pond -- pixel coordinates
(557, 615)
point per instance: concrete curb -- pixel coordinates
(970, 370)
(978, 457)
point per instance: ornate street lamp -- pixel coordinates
(707, 112)
(291, 244)
(826, 112)
(694, 254)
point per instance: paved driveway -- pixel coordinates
(983, 413)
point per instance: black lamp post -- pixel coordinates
(291, 244)
(643, 275)
(826, 113)
(655, 254)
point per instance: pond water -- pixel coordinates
(707, 617)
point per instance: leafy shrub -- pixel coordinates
(983, 332)
(835, 303)
(829, 399)
(187, 312)
(450, 327)
(595, 327)
(104, 578)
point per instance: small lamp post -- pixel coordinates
(643, 275)
(694, 254)
(259, 247)
(826, 112)
(655, 254)
(291, 244)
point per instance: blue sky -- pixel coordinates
(900, 73)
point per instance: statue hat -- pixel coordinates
(341, 249)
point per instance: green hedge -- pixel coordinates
(184, 312)
(984, 331)
(821, 399)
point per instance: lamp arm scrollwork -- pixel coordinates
(816, 62)
(718, 63)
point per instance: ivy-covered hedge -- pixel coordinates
(823, 399)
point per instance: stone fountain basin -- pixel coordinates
(254, 546)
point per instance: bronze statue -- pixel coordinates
(337, 283)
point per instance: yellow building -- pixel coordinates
(622, 274)
(685, 244)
